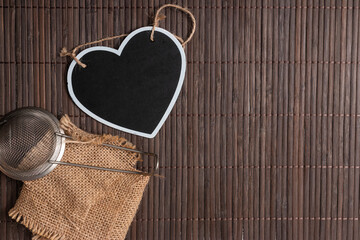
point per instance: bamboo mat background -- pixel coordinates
(263, 141)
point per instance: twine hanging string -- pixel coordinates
(72, 54)
(158, 17)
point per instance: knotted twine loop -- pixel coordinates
(159, 17)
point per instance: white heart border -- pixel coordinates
(118, 52)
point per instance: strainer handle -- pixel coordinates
(112, 169)
(100, 168)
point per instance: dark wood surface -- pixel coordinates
(264, 140)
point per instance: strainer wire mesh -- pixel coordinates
(27, 142)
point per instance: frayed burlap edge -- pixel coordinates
(36, 229)
(41, 232)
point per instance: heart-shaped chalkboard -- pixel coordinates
(134, 88)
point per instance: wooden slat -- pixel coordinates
(353, 230)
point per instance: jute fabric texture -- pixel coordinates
(80, 203)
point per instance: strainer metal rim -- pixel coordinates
(59, 150)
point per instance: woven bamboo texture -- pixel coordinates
(264, 140)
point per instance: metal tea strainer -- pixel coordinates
(32, 145)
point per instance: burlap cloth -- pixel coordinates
(80, 203)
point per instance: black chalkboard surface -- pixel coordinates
(134, 88)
